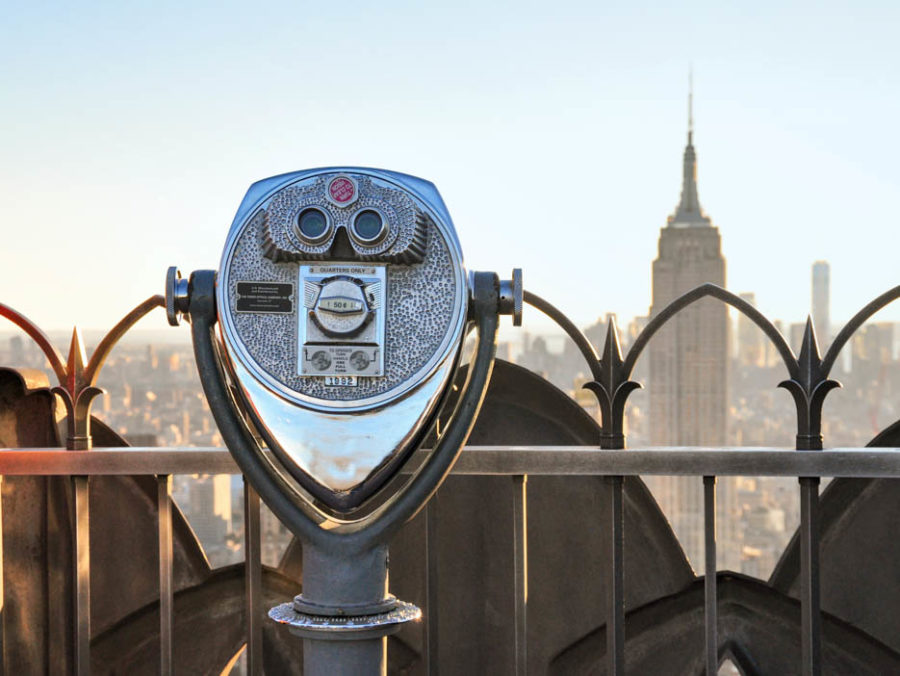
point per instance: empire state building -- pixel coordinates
(688, 375)
(689, 357)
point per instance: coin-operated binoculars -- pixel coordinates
(342, 304)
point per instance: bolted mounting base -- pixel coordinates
(303, 606)
(345, 627)
(345, 613)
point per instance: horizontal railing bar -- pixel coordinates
(492, 460)
(108, 461)
(741, 461)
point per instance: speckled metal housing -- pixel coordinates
(425, 296)
(341, 435)
(404, 243)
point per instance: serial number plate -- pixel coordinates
(340, 381)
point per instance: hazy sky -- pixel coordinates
(130, 132)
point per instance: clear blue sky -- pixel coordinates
(130, 132)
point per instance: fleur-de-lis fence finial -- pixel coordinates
(809, 389)
(77, 377)
(612, 389)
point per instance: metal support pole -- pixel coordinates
(710, 578)
(253, 574)
(340, 587)
(432, 643)
(615, 604)
(811, 620)
(345, 658)
(166, 594)
(520, 554)
(82, 577)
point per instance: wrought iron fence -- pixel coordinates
(516, 462)
(807, 381)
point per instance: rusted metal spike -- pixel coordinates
(75, 365)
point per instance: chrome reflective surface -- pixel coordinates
(340, 450)
(355, 399)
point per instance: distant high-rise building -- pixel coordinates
(152, 362)
(209, 511)
(772, 355)
(872, 348)
(751, 343)
(821, 300)
(16, 351)
(689, 357)
(688, 378)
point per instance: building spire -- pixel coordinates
(689, 212)
(691, 105)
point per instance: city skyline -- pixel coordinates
(131, 135)
(553, 132)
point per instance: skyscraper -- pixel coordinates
(821, 301)
(688, 378)
(751, 342)
(689, 357)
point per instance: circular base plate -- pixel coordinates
(345, 627)
(304, 607)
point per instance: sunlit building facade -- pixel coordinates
(688, 379)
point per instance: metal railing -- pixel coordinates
(807, 381)
(517, 462)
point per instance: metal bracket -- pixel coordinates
(511, 298)
(177, 296)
